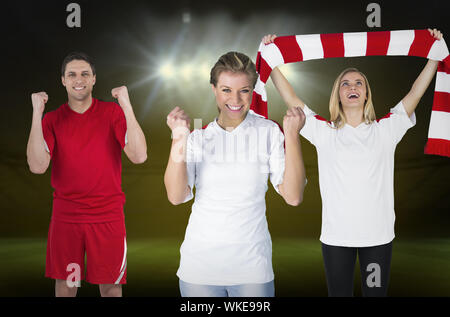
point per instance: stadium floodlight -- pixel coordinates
(288, 72)
(167, 70)
(186, 17)
(187, 71)
(204, 71)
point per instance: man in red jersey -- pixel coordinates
(84, 139)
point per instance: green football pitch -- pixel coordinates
(419, 268)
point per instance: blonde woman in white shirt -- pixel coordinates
(355, 154)
(227, 250)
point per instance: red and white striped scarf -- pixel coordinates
(290, 49)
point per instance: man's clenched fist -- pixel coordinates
(121, 94)
(39, 99)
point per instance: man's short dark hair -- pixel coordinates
(77, 56)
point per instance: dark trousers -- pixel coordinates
(375, 263)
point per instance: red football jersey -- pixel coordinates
(86, 151)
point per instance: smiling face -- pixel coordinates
(233, 96)
(352, 90)
(79, 80)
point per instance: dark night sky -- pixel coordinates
(129, 39)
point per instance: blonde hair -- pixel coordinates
(234, 62)
(337, 115)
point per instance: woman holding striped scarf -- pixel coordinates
(356, 171)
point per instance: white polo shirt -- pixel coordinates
(356, 177)
(227, 241)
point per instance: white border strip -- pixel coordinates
(311, 46)
(439, 127)
(272, 55)
(400, 42)
(442, 82)
(355, 44)
(124, 261)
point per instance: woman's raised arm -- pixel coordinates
(411, 100)
(281, 83)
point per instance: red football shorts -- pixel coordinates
(103, 244)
